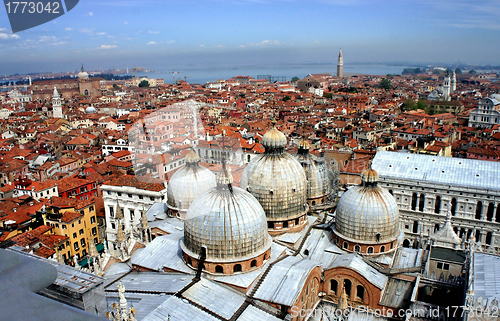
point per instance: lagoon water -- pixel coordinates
(203, 75)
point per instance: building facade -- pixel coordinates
(427, 187)
(130, 195)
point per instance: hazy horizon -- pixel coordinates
(171, 35)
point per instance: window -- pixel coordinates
(94, 230)
(219, 269)
(333, 286)
(141, 197)
(237, 268)
(80, 232)
(92, 219)
(253, 263)
(74, 235)
(360, 292)
(347, 287)
(357, 248)
(91, 209)
(64, 226)
(82, 242)
(67, 243)
(75, 245)
(370, 250)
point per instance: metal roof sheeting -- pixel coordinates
(163, 251)
(178, 310)
(486, 276)
(252, 313)
(285, 281)
(437, 169)
(216, 298)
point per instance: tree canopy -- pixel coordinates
(385, 83)
(144, 83)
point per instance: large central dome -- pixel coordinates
(367, 217)
(278, 181)
(229, 224)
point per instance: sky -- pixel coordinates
(164, 34)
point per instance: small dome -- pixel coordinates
(229, 222)
(90, 110)
(192, 157)
(274, 139)
(187, 183)
(369, 176)
(367, 213)
(304, 146)
(83, 74)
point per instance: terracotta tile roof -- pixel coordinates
(30, 237)
(150, 184)
(70, 202)
(70, 216)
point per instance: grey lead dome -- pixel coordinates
(277, 180)
(188, 182)
(367, 213)
(229, 222)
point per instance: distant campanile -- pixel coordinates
(340, 65)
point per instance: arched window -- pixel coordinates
(219, 269)
(421, 203)
(347, 287)
(189, 261)
(357, 248)
(333, 286)
(237, 268)
(479, 210)
(253, 263)
(382, 249)
(491, 211)
(360, 292)
(370, 250)
(346, 245)
(453, 206)
(437, 204)
(478, 235)
(86, 92)
(415, 226)
(377, 237)
(414, 202)
(265, 256)
(488, 238)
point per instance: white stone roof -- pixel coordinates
(437, 169)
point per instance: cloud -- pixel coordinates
(261, 44)
(90, 14)
(125, 23)
(153, 32)
(151, 43)
(107, 47)
(86, 30)
(68, 29)
(101, 33)
(171, 41)
(6, 34)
